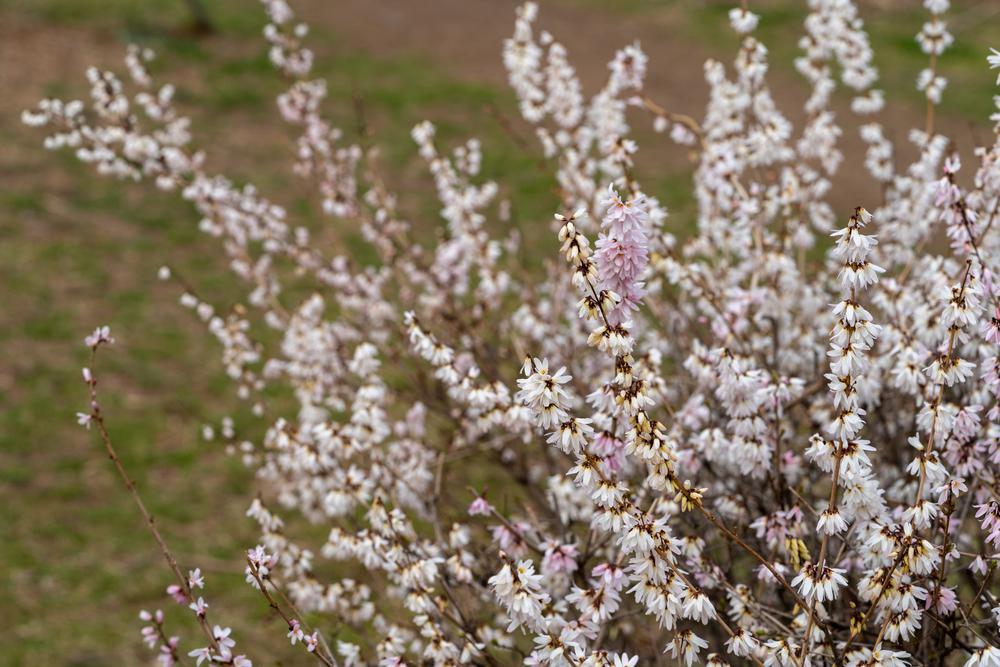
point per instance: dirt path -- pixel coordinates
(465, 36)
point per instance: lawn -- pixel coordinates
(77, 250)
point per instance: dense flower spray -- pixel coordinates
(623, 253)
(776, 442)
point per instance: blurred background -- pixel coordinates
(77, 250)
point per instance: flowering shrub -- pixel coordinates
(776, 442)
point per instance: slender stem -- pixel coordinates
(821, 560)
(946, 362)
(289, 621)
(97, 418)
(736, 539)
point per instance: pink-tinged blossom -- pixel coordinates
(942, 599)
(991, 328)
(177, 593)
(201, 654)
(480, 507)
(195, 580)
(101, 336)
(560, 559)
(989, 515)
(168, 652)
(610, 574)
(295, 632)
(199, 606)
(623, 252)
(150, 636)
(224, 642)
(510, 541)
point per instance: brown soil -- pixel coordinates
(465, 38)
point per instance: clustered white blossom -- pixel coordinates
(774, 442)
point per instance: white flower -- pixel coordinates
(685, 647)
(100, 336)
(831, 522)
(544, 392)
(623, 660)
(821, 583)
(987, 656)
(295, 632)
(994, 61)
(199, 606)
(201, 654)
(518, 589)
(698, 607)
(743, 21)
(223, 639)
(572, 435)
(742, 643)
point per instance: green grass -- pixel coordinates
(898, 56)
(77, 250)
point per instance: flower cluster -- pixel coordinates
(754, 435)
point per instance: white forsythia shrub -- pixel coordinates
(776, 442)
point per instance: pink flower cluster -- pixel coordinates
(623, 253)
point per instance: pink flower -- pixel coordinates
(991, 329)
(199, 606)
(150, 636)
(84, 419)
(510, 541)
(623, 252)
(177, 593)
(295, 633)
(942, 599)
(611, 574)
(560, 559)
(100, 335)
(606, 444)
(620, 260)
(989, 513)
(480, 507)
(166, 656)
(201, 654)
